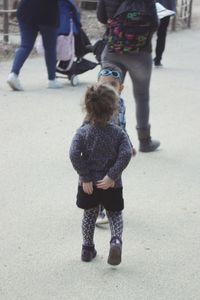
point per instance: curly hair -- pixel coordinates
(101, 103)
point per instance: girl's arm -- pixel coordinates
(77, 158)
(123, 158)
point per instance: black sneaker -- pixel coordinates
(88, 253)
(157, 63)
(115, 253)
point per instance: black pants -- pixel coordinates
(161, 38)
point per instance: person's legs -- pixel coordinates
(88, 227)
(161, 39)
(116, 227)
(139, 68)
(49, 37)
(28, 36)
(116, 224)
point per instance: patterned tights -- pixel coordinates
(89, 220)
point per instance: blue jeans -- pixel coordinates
(29, 34)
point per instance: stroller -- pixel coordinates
(76, 44)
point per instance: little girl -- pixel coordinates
(99, 152)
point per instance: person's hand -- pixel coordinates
(105, 183)
(88, 187)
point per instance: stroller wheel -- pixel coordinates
(74, 80)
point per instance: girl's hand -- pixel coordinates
(105, 183)
(88, 187)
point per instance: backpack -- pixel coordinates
(130, 28)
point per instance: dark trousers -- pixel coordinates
(161, 38)
(139, 67)
(29, 34)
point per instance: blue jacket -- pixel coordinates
(68, 10)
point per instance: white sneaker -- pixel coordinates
(14, 82)
(102, 219)
(54, 84)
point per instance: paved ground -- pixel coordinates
(40, 234)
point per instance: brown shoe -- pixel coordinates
(115, 253)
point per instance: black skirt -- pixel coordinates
(111, 199)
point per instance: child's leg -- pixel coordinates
(116, 224)
(116, 227)
(88, 225)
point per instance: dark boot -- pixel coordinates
(157, 63)
(146, 143)
(115, 253)
(88, 253)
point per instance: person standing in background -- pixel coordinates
(137, 64)
(36, 16)
(162, 31)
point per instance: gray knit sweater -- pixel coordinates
(98, 151)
